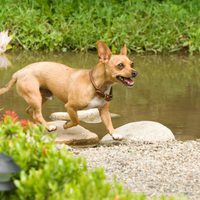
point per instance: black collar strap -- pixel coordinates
(107, 97)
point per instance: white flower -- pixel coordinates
(4, 41)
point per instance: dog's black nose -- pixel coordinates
(134, 74)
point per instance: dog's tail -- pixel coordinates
(8, 86)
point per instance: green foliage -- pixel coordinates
(145, 26)
(49, 173)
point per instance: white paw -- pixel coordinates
(117, 136)
(52, 128)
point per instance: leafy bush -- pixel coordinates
(151, 26)
(49, 173)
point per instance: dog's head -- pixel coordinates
(119, 68)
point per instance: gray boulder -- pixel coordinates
(75, 136)
(143, 131)
(88, 116)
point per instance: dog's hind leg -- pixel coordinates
(29, 109)
(30, 91)
(46, 94)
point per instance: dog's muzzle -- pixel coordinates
(128, 80)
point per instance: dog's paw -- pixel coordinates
(117, 136)
(51, 128)
(65, 126)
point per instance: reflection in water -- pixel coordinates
(166, 90)
(4, 61)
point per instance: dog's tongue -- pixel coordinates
(128, 81)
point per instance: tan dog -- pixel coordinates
(78, 89)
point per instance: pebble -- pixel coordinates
(169, 168)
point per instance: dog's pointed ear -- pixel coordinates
(123, 50)
(104, 52)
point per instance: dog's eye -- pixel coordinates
(120, 66)
(132, 65)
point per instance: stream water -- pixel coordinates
(167, 90)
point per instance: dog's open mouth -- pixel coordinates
(126, 81)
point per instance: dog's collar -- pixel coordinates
(107, 97)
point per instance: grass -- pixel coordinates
(145, 26)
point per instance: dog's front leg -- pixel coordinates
(106, 119)
(73, 116)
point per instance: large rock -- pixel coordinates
(75, 136)
(144, 131)
(88, 116)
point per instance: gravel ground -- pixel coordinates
(171, 168)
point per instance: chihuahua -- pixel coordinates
(77, 88)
